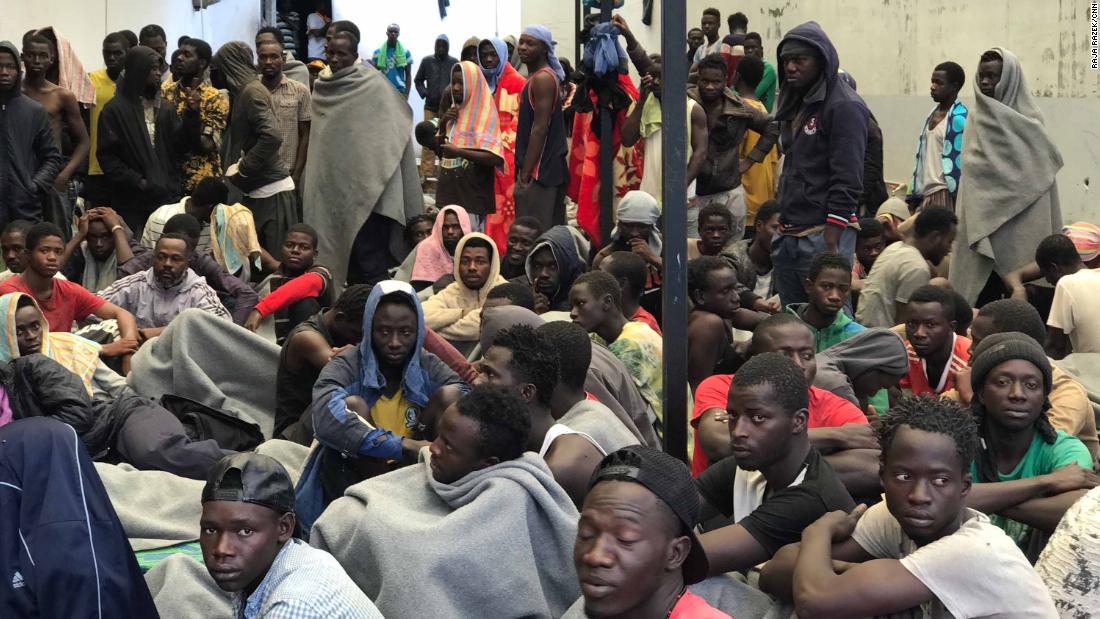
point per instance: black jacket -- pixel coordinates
(29, 157)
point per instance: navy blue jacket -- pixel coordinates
(823, 132)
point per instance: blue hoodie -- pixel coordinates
(822, 180)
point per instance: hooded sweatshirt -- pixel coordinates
(561, 244)
(823, 133)
(252, 137)
(29, 157)
(873, 349)
(455, 311)
(127, 154)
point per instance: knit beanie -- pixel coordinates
(1000, 347)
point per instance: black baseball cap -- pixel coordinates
(250, 478)
(670, 480)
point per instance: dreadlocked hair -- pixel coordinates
(937, 415)
(986, 459)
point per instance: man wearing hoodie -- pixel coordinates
(823, 133)
(142, 168)
(455, 311)
(250, 146)
(30, 159)
(552, 267)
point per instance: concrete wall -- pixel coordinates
(86, 22)
(891, 46)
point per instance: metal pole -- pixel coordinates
(576, 34)
(674, 202)
(607, 153)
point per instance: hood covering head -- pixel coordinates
(496, 319)
(17, 89)
(570, 266)
(493, 77)
(542, 33)
(640, 207)
(477, 126)
(235, 61)
(140, 60)
(415, 381)
(470, 42)
(432, 258)
(494, 264)
(872, 349)
(1011, 90)
(76, 354)
(807, 37)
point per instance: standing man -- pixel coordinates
(507, 85)
(63, 110)
(1010, 203)
(115, 46)
(203, 159)
(823, 132)
(290, 101)
(432, 79)
(30, 159)
(728, 119)
(709, 24)
(250, 150)
(153, 37)
(316, 24)
(541, 170)
(765, 90)
(394, 61)
(939, 150)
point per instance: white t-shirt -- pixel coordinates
(154, 226)
(898, 271)
(932, 176)
(976, 571)
(316, 45)
(706, 49)
(1075, 297)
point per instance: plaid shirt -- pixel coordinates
(290, 101)
(305, 583)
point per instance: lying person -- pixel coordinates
(919, 548)
(493, 531)
(249, 546)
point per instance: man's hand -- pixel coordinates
(618, 21)
(449, 150)
(837, 525)
(336, 351)
(61, 183)
(1068, 478)
(119, 347)
(963, 386)
(82, 224)
(193, 96)
(771, 306)
(542, 303)
(642, 248)
(1019, 293)
(109, 216)
(253, 321)
(410, 448)
(856, 436)
(744, 165)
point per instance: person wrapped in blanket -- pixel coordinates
(375, 403)
(68, 381)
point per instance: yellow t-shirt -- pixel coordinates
(759, 181)
(396, 414)
(104, 92)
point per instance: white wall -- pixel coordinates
(86, 22)
(891, 46)
(420, 25)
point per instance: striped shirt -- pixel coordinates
(305, 583)
(918, 380)
(154, 306)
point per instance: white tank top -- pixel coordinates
(558, 430)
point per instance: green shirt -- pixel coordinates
(765, 90)
(1041, 458)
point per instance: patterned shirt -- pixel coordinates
(305, 583)
(841, 329)
(213, 113)
(640, 350)
(290, 101)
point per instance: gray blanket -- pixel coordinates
(159, 509)
(498, 543)
(368, 164)
(183, 589)
(726, 593)
(1008, 197)
(214, 362)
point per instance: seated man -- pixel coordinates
(524, 361)
(936, 353)
(369, 402)
(919, 548)
(492, 532)
(94, 256)
(828, 284)
(510, 293)
(570, 404)
(238, 297)
(864, 368)
(299, 287)
(776, 484)
(62, 302)
(715, 232)
(68, 555)
(1026, 473)
(870, 242)
(629, 269)
(1070, 409)
(248, 545)
(597, 306)
(636, 231)
(715, 312)
(434, 257)
(640, 494)
(1085, 237)
(752, 259)
(158, 295)
(1071, 327)
(455, 311)
(903, 267)
(522, 236)
(13, 243)
(552, 267)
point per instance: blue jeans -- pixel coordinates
(791, 256)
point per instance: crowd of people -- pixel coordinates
(261, 356)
